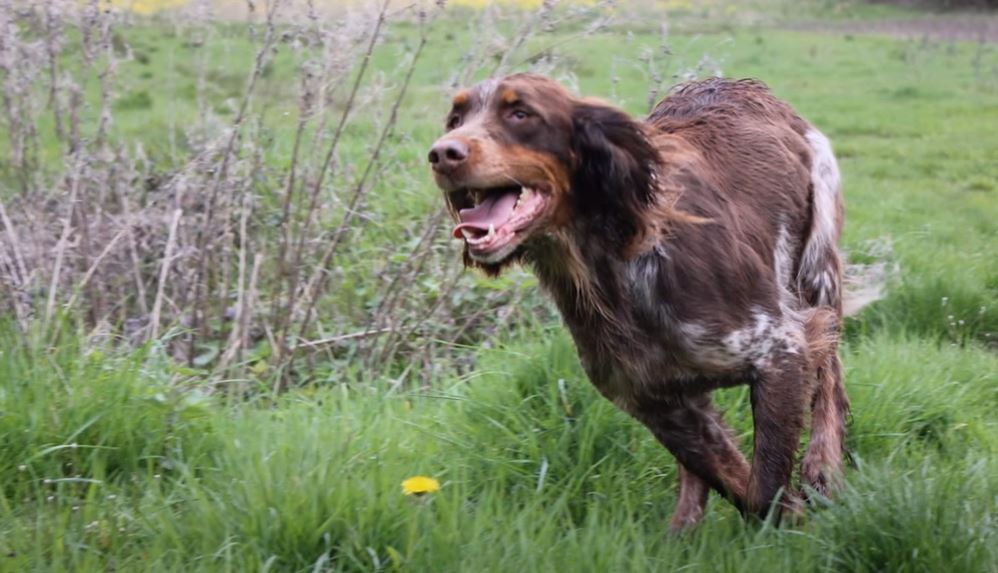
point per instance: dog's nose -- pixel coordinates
(446, 155)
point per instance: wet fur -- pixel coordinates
(693, 250)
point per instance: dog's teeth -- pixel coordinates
(492, 231)
(467, 234)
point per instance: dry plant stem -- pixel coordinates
(235, 337)
(201, 82)
(342, 338)
(16, 272)
(53, 28)
(477, 52)
(526, 32)
(164, 273)
(406, 275)
(226, 252)
(321, 274)
(15, 247)
(83, 227)
(390, 345)
(12, 288)
(239, 338)
(251, 18)
(17, 68)
(93, 268)
(247, 315)
(292, 272)
(326, 101)
(286, 214)
(133, 253)
(53, 340)
(390, 296)
(594, 26)
(60, 249)
(200, 311)
(105, 76)
(79, 208)
(75, 104)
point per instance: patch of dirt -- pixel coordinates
(968, 27)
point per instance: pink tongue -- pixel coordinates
(494, 210)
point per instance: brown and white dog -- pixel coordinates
(690, 251)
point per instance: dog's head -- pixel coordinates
(523, 158)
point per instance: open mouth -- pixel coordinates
(493, 221)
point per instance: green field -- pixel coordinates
(125, 459)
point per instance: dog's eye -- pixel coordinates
(453, 121)
(518, 115)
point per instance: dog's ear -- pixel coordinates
(614, 171)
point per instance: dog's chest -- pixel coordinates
(636, 347)
(630, 362)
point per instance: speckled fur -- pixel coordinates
(694, 250)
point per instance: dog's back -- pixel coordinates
(770, 170)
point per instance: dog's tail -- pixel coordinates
(819, 278)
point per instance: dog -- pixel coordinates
(693, 250)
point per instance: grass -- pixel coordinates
(124, 460)
(538, 473)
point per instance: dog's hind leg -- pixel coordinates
(692, 500)
(778, 411)
(822, 465)
(821, 468)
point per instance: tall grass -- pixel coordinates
(537, 472)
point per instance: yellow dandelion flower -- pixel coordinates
(420, 485)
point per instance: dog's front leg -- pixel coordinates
(694, 432)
